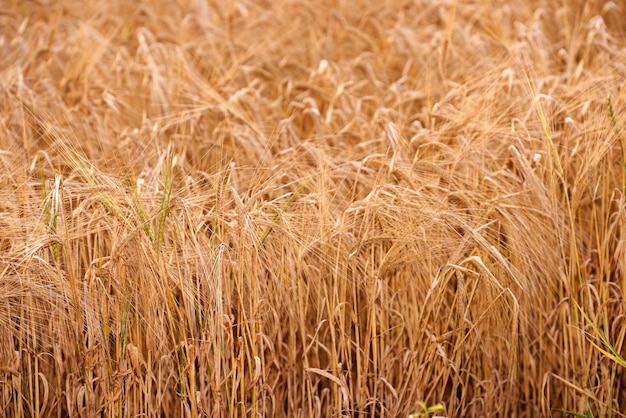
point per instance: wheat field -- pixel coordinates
(312, 209)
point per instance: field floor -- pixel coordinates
(312, 208)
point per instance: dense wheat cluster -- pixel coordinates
(312, 208)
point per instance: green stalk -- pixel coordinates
(291, 198)
(618, 133)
